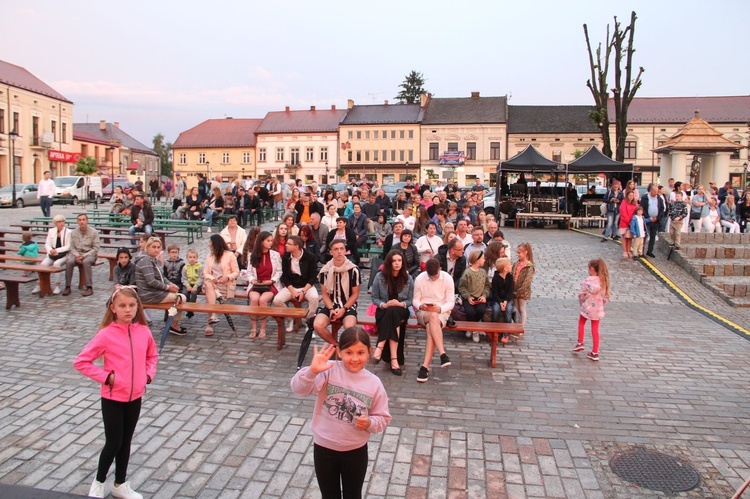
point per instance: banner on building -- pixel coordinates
(452, 158)
(65, 157)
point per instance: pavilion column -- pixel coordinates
(665, 167)
(707, 170)
(721, 167)
(679, 166)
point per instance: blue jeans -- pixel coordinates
(210, 214)
(612, 218)
(46, 204)
(147, 229)
(508, 314)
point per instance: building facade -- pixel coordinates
(217, 147)
(464, 138)
(381, 142)
(35, 126)
(299, 145)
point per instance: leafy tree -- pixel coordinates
(164, 150)
(412, 88)
(340, 173)
(86, 166)
(619, 45)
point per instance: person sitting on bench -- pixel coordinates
(299, 270)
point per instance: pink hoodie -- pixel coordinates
(129, 352)
(343, 396)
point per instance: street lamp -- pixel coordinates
(327, 179)
(208, 170)
(13, 134)
(112, 169)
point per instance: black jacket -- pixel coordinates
(315, 207)
(308, 266)
(502, 289)
(148, 214)
(351, 244)
(459, 268)
(246, 204)
(662, 207)
(411, 258)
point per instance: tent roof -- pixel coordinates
(594, 161)
(530, 160)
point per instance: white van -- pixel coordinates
(75, 189)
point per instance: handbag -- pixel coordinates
(372, 329)
(57, 256)
(695, 215)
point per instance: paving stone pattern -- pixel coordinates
(219, 420)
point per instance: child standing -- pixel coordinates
(130, 358)
(637, 229)
(593, 296)
(125, 268)
(351, 403)
(677, 213)
(28, 248)
(192, 278)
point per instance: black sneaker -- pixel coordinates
(593, 356)
(189, 315)
(423, 375)
(444, 360)
(579, 347)
(650, 255)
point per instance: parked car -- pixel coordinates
(25, 195)
(119, 182)
(75, 188)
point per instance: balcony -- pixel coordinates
(39, 143)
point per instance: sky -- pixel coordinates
(166, 66)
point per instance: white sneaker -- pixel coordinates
(97, 489)
(289, 325)
(56, 291)
(125, 492)
(209, 230)
(36, 290)
(468, 334)
(475, 337)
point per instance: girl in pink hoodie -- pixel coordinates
(351, 405)
(593, 296)
(130, 356)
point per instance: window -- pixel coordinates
(367, 155)
(453, 146)
(201, 158)
(245, 158)
(434, 151)
(401, 156)
(359, 134)
(375, 156)
(385, 155)
(630, 148)
(53, 129)
(350, 135)
(367, 134)
(411, 134)
(35, 130)
(294, 155)
(393, 156)
(279, 154)
(350, 155)
(401, 134)
(735, 154)
(471, 150)
(393, 134)
(557, 156)
(64, 133)
(411, 154)
(375, 134)
(15, 127)
(309, 154)
(183, 158)
(324, 154)
(262, 154)
(2, 120)
(495, 150)
(225, 158)
(359, 156)
(385, 134)
(388, 179)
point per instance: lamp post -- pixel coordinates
(327, 179)
(112, 169)
(745, 171)
(13, 134)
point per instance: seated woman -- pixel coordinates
(329, 219)
(263, 275)
(235, 237)
(153, 287)
(229, 202)
(392, 292)
(409, 251)
(57, 245)
(311, 244)
(474, 288)
(728, 212)
(220, 275)
(117, 201)
(347, 235)
(194, 203)
(214, 207)
(743, 212)
(280, 236)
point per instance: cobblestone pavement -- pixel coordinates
(220, 420)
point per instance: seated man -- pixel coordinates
(141, 216)
(358, 222)
(84, 246)
(433, 300)
(339, 283)
(299, 270)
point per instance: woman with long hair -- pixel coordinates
(452, 215)
(711, 223)
(628, 205)
(728, 211)
(348, 236)
(699, 208)
(235, 237)
(311, 244)
(247, 248)
(214, 206)
(219, 276)
(194, 203)
(329, 197)
(392, 293)
(743, 212)
(409, 251)
(523, 275)
(263, 275)
(329, 219)
(288, 220)
(280, 236)
(495, 250)
(423, 218)
(481, 220)
(293, 200)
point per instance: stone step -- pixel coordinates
(721, 267)
(739, 301)
(709, 251)
(692, 238)
(731, 286)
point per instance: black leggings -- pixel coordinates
(474, 313)
(336, 468)
(120, 419)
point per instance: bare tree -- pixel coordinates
(622, 97)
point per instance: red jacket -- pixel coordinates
(129, 353)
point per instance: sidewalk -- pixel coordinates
(220, 420)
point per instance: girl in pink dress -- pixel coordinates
(593, 296)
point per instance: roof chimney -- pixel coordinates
(117, 124)
(697, 113)
(286, 109)
(103, 125)
(424, 99)
(475, 95)
(385, 102)
(333, 107)
(312, 108)
(349, 103)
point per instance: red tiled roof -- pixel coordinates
(228, 132)
(18, 77)
(698, 136)
(308, 121)
(87, 137)
(731, 109)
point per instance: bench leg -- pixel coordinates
(82, 277)
(493, 351)
(112, 264)
(12, 296)
(45, 286)
(282, 332)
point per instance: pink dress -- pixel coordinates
(592, 298)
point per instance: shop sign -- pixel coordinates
(452, 158)
(274, 171)
(65, 157)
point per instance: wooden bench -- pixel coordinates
(37, 260)
(578, 222)
(493, 330)
(522, 219)
(44, 273)
(11, 281)
(277, 313)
